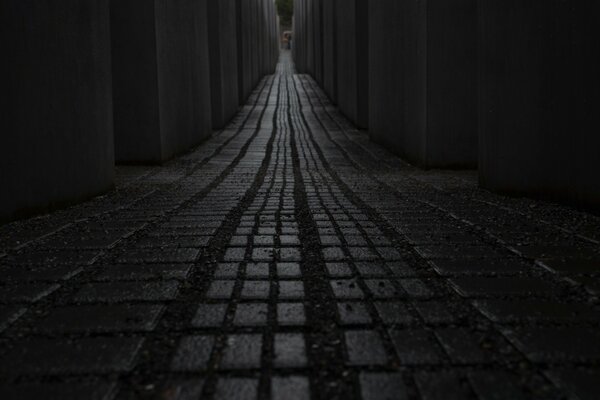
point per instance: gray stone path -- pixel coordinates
(290, 258)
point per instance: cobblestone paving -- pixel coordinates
(290, 258)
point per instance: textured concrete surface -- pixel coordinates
(538, 100)
(162, 103)
(289, 257)
(352, 46)
(56, 144)
(423, 80)
(329, 49)
(258, 43)
(222, 41)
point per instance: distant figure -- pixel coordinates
(287, 40)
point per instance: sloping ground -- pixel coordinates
(290, 258)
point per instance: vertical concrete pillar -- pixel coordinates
(330, 49)
(310, 37)
(539, 99)
(317, 17)
(161, 78)
(352, 60)
(423, 80)
(56, 145)
(222, 34)
(244, 35)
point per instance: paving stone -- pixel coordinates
(290, 350)
(441, 386)
(59, 257)
(288, 270)
(209, 316)
(333, 254)
(58, 391)
(227, 271)
(365, 348)
(557, 344)
(289, 240)
(236, 388)
(382, 386)
(536, 310)
(415, 288)
(291, 290)
(9, 314)
(105, 318)
(264, 241)
(263, 254)
(290, 314)
(449, 267)
(389, 253)
(242, 352)
(415, 347)
(15, 293)
(339, 270)
(354, 314)
(193, 353)
(256, 290)
(496, 385)
(239, 241)
(290, 388)
(401, 269)
(220, 289)
(127, 272)
(235, 254)
(346, 289)
(257, 270)
(393, 313)
(473, 287)
(434, 312)
(163, 256)
(383, 289)
(251, 314)
(459, 251)
(330, 240)
(50, 273)
(290, 255)
(462, 346)
(74, 356)
(370, 269)
(127, 291)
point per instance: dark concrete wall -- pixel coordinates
(222, 35)
(258, 43)
(538, 99)
(318, 40)
(56, 145)
(162, 101)
(423, 85)
(353, 60)
(329, 49)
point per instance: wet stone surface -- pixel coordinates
(288, 257)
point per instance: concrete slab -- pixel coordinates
(423, 89)
(56, 145)
(161, 78)
(222, 34)
(539, 99)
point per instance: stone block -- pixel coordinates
(423, 93)
(538, 98)
(160, 78)
(56, 145)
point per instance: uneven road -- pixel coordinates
(290, 258)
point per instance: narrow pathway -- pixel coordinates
(290, 258)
